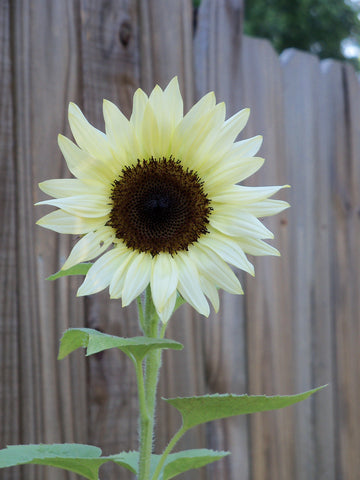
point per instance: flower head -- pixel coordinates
(156, 199)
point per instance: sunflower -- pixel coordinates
(157, 199)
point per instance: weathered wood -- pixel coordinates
(309, 169)
(110, 69)
(9, 352)
(301, 77)
(165, 41)
(268, 318)
(346, 171)
(121, 67)
(166, 50)
(217, 61)
(217, 51)
(52, 395)
(323, 333)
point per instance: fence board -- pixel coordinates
(301, 80)
(45, 65)
(323, 334)
(113, 68)
(346, 272)
(269, 339)
(217, 55)
(9, 352)
(110, 69)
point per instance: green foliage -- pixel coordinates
(82, 459)
(318, 26)
(175, 464)
(95, 342)
(86, 460)
(181, 462)
(79, 269)
(198, 410)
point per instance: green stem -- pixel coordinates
(167, 450)
(147, 401)
(144, 414)
(140, 313)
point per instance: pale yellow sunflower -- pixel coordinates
(157, 199)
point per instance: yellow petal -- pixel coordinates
(120, 133)
(67, 187)
(62, 222)
(90, 246)
(100, 274)
(90, 206)
(82, 165)
(137, 277)
(164, 279)
(189, 284)
(89, 138)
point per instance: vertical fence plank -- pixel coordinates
(217, 55)
(346, 170)
(166, 51)
(9, 354)
(269, 340)
(45, 66)
(351, 464)
(301, 81)
(309, 169)
(110, 69)
(166, 45)
(323, 334)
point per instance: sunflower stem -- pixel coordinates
(147, 396)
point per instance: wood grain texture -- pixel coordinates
(217, 63)
(308, 117)
(346, 271)
(52, 395)
(267, 295)
(165, 43)
(301, 84)
(9, 351)
(166, 50)
(217, 51)
(110, 69)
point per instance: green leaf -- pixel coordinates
(198, 410)
(180, 462)
(82, 459)
(129, 460)
(175, 464)
(96, 342)
(79, 269)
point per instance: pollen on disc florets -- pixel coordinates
(158, 206)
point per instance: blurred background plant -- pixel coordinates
(327, 28)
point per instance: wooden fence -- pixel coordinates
(297, 325)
